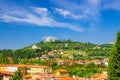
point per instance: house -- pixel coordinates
(102, 76)
(105, 62)
(97, 47)
(69, 62)
(84, 62)
(7, 70)
(44, 57)
(5, 75)
(55, 52)
(61, 72)
(97, 62)
(60, 61)
(67, 78)
(52, 53)
(49, 39)
(38, 69)
(99, 77)
(34, 47)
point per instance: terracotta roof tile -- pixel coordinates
(67, 78)
(61, 70)
(23, 65)
(7, 73)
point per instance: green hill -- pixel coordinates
(76, 49)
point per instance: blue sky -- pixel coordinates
(25, 22)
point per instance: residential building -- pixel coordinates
(61, 72)
(7, 70)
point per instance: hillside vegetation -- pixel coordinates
(61, 54)
(79, 50)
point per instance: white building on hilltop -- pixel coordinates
(34, 47)
(49, 39)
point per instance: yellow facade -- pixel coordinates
(35, 70)
(61, 72)
(3, 68)
(57, 73)
(39, 70)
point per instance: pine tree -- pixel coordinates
(17, 76)
(114, 61)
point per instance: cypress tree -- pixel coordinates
(114, 61)
(17, 76)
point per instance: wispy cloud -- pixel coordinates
(67, 13)
(88, 8)
(40, 18)
(84, 10)
(89, 11)
(114, 4)
(41, 11)
(63, 12)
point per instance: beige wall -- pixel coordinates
(35, 70)
(11, 69)
(48, 71)
(39, 70)
(6, 77)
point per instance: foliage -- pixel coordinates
(114, 61)
(17, 76)
(79, 51)
(84, 71)
(63, 49)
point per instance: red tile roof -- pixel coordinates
(67, 78)
(61, 70)
(7, 73)
(12, 73)
(27, 76)
(23, 65)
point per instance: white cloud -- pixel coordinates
(41, 21)
(67, 13)
(88, 11)
(41, 11)
(63, 12)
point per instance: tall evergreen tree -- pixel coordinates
(17, 76)
(114, 61)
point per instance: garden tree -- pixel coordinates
(3, 58)
(17, 76)
(114, 61)
(91, 65)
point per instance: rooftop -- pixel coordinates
(61, 70)
(23, 65)
(12, 73)
(7, 73)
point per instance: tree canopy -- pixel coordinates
(114, 61)
(17, 76)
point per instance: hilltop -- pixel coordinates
(64, 54)
(64, 46)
